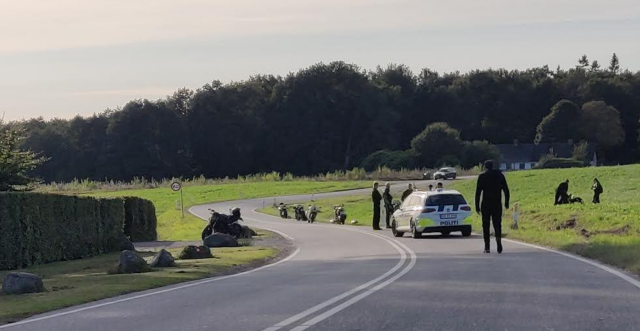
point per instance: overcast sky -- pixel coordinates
(67, 57)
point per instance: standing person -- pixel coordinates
(376, 197)
(439, 186)
(491, 184)
(597, 190)
(430, 187)
(388, 203)
(562, 193)
(406, 193)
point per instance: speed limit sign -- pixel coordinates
(176, 186)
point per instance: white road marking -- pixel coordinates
(196, 283)
(368, 287)
(596, 264)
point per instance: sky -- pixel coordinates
(79, 57)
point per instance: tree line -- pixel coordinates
(338, 116)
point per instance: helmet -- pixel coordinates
(235, 212)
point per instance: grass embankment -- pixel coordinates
(608, 232)
(171, 226)
(75, 282)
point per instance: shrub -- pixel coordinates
(550, 162)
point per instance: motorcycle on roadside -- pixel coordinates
(340, 215)
(282, 209)
(312, 213)
(221, 223)
(299, 213)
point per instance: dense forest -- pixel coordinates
(332, 116)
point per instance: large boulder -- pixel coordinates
(248, 232)
(131, 263)
(196, 252)
(21, 283)
(163, 259)
(220, 240)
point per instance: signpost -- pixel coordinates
(175, 186)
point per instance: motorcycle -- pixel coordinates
(312, 213)
(221, 223)
(340, 215)
(282, 208)
(299, 213)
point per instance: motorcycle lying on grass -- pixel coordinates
(221, 223)
(299, 213)
(339, 214)
(282, 208)
(312, 213)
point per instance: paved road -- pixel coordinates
(351, 278)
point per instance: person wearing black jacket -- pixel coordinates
(491, 184)
(406, 193)
(597, 190)
(388, 203)
(562, 193)
(376, 198)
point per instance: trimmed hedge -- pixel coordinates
(140, 220)
(41, 228)
(559, 163)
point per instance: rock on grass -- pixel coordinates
(195, 252)
(130, 263)
(21, 283)
(163, 259)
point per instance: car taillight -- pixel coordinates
(428, 210)
(465, 208)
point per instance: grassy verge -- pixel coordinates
(75, 282)
(608, 232)
(171, 226)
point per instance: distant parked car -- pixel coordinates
(445, 173)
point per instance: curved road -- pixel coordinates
(351, 278)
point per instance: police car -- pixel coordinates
(443, 211)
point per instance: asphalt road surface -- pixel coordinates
(352, 278)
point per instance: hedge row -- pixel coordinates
(559, 163)
(40, 228)
(140, 219)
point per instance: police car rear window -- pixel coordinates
(445, 200)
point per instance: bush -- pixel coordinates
(42, 228)
(549, 162)
(391, 159)
(140, 220)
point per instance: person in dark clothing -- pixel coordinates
(439, 186)
(406, 193)
(562, 193)
(597, 190)
(388, 203)
(430, 187)
(491, 184)
(376, 197)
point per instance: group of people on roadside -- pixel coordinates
(389, 208)
(563, 196)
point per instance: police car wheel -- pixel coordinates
(466, 232)
(415, 233)
(395, 232)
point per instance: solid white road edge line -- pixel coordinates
(196, 283)
(367, 286)
(606, 268)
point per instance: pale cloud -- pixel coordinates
(36, 25)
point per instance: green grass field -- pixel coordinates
(171, 226)
(74, 282)
(611, 230)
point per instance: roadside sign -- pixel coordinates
(176, 186)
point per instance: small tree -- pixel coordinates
(583, 62)
(15, 164)
(614, 64)
(476, 152)
(595, 66)
(561, 124)
(434, 142)
(580, 152)
(601, 123)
